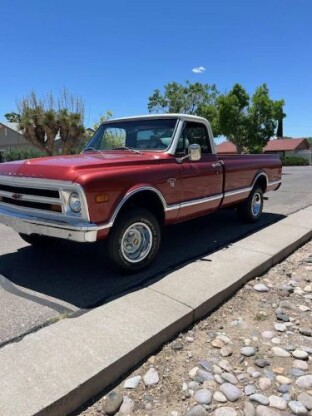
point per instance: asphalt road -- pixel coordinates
(37, 288)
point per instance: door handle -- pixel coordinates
(218, 164)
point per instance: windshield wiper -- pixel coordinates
(127, 148)
(91, 149)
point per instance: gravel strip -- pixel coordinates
(250, 357)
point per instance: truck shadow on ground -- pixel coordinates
(82, 276)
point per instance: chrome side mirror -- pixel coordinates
(194, 152)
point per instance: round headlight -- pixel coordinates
(74, 202)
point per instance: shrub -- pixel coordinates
(21, 154)
(294, 161)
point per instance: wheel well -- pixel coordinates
(262, 182)
(148, 200)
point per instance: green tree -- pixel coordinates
(177, 98)
(309, 140)
(247, 122)
(41, 119)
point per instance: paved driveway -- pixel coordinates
(37, 288)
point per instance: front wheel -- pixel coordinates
(134, 240)
(251, 209)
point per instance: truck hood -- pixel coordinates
(68, 168)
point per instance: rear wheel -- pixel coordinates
(251, 209)
(36, 240)
(134, 240)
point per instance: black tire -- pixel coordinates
(37, 241)
(251, 209)
(142, 230)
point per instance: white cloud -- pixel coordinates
(199, 69)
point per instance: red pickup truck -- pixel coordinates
(133, 177)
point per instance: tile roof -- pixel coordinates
(226, 147)
(279, 145)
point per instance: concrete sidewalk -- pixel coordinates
(55, 370)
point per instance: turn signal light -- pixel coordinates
(56, 208)
(99, 198)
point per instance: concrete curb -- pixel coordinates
(57, 369)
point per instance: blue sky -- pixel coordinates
(115, 53)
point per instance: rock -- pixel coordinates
(306, 332)
(285, 304)
(225, 339)
(277, 402)
(210, 385)
(250, 389)
(225, 411)
(112, 403)
(217, 343)
(151, 377)
(301, 365)
(275, 340)
(300, 354)
(206, 365)
(267, 335)
(264, 383)
(260, 362)
(308, 288)
(282, 317)
(259, 398)
(283, 388)
(197, 410)
(230, 378)
(127, 405)
(279, 370)
(218, 396)
(304, 308)
(226, 366)
(226, 351)
(306, 400)
(231, 392)
(132, 383)
(297, 408)
(280, 352)
(249, 410)
(295, 372)
(203, 396)
(193, 372)
(248, 351)
(304, 382)
(260, 287)
(218, 379)
(280, 327)
(283, 380)
(203, 375)
(266, 411)
(177, 345)
(193, 385)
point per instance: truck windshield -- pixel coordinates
(153, 134)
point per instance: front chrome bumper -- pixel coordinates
(23, 223)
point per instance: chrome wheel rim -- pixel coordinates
(136, 242)
(256, 204)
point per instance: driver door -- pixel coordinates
(201, 181)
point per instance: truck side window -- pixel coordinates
(194, 133)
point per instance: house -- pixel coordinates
(290, 147)
(281, 147)
(11, 138)
(227, 148)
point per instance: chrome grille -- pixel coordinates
(30, 197)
